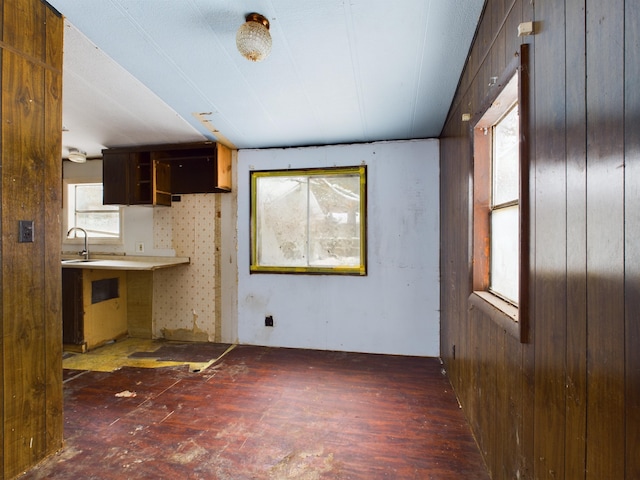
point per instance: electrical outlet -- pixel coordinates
(139, 247)
(268, 321)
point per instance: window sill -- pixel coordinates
(504, 314)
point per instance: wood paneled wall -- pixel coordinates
(567, 403)
(31, 36)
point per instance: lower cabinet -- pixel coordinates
(94, 307)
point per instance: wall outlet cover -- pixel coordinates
(25, 231)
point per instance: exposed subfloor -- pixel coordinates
(266, 413)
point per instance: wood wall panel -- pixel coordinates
(605, 239)
(2, 329)
(548, 170)
(632, 245)
(23, 25)
(30, 181)
(52, 201)
(576, 350)
(23, 303)
(567, 403)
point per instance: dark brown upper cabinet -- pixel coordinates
(149, 175)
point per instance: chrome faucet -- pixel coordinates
(85, 252)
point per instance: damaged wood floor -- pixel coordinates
(266, 413)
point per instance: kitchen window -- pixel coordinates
(309, 221)
(84, 209)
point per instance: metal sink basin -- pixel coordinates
(79, 260)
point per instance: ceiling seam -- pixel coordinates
(177, 69)
(419, 54)
(294, 66)
(356, 67)
(256, 97)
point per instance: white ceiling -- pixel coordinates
(341, 71)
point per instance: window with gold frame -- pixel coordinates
(309, 221)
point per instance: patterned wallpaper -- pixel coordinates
(185, 299)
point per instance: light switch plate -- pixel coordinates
(25, 231)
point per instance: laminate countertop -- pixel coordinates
(123, 262)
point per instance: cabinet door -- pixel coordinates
(162, 183)
(223, 168)
(72, 309)
(115, 178)
(201, 170)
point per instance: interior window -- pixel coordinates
(309, 221)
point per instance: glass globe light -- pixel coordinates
(253, 38)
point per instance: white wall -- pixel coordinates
(395, 308)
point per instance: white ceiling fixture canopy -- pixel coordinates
(76, 155)
(253, 38)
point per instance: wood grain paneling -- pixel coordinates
(576, 198)
(3, 367)
(31, 65)
(549, 173)
(605, 239)
(22, 278)
(632, 245)
(52, 202)
(572, 392)
(23, 27)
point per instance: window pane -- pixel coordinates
(310, 220)
(506, 158)
(89, 197)
(504, 252)
(334, 221)
(99, 224)
(282, 221)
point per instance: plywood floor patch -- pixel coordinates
(111, 357)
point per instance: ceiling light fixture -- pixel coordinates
(77, 156)
(253, 38)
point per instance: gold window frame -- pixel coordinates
(256, 266)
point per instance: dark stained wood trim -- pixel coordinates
(502, 313)
(524, 105)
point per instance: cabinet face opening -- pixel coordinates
(309, 221)
(105, 289)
